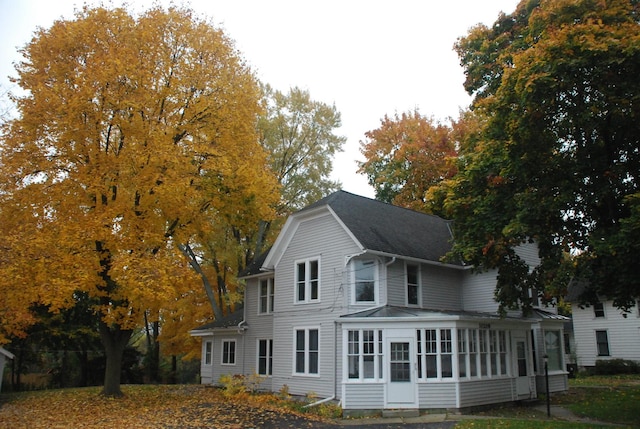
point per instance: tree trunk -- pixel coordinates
(114, 341)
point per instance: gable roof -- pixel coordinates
(389, 229)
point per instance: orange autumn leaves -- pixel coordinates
(135, 135)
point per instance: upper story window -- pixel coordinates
(267, 291)
(365, 276)
(413, 284)
(308, 280)
(598, 309)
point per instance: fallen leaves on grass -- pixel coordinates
(167, 407)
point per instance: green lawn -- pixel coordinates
(606, 399)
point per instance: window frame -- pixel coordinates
(354, 281)
(307, 352)
(227, 354)
(435, 346)
(554, 358)
(208, 352)
(417, 285)
(606, 343)
(308, 282)
(269, 298)
(599, 311)
(268, 357)
(360, 347)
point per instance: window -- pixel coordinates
(463, 353)
(365, 281)
(229, 352)
(446, 350)
(306, 351)
(553, 349)
(598, 309)
(364, 354)
(435, 353)
(267, 291)
(208, 349)
(413, 285)
(265, 357)
(482, 335)
(602, 342)
(502, 344)
(307, 280)
(473, 352)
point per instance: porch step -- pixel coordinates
(401, 413)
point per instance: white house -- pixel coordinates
(603, 331)
(4, 356)
(353, 303)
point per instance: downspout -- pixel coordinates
(335, 367)
(241, 330)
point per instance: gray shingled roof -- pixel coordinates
(390, 229)
(230, 320)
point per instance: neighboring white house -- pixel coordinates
(603, 331)
(4, 356)
(353, 303)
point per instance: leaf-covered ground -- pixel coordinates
(166, 407)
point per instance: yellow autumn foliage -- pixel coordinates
(134, 134)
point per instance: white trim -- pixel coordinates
(207, 350)
(269, 356)
(235, 352)
(376, 281)
(307, 281)
(407, 264)
(270, 294)
(306, 351)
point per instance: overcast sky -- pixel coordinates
(368, 57)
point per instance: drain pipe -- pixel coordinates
(321, 401)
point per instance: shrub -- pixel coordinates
(617, 366)
(233, 386)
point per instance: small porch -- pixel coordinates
(406, 358)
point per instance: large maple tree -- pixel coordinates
(557, 160)
(135, 138)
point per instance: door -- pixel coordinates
(401, 384)
(523, 381)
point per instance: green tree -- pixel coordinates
(406, 156)
(135, 136)
(556, 159)
(298, 134)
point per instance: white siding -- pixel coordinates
(483, 392)
(396, 284)
(259, 326)
(321, 237)
(623, 334)
(478, 291)
(211, 374)
(437, 395)
(441, 287)
(365, 396)
(529, 253)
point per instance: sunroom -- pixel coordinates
(396, 357)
